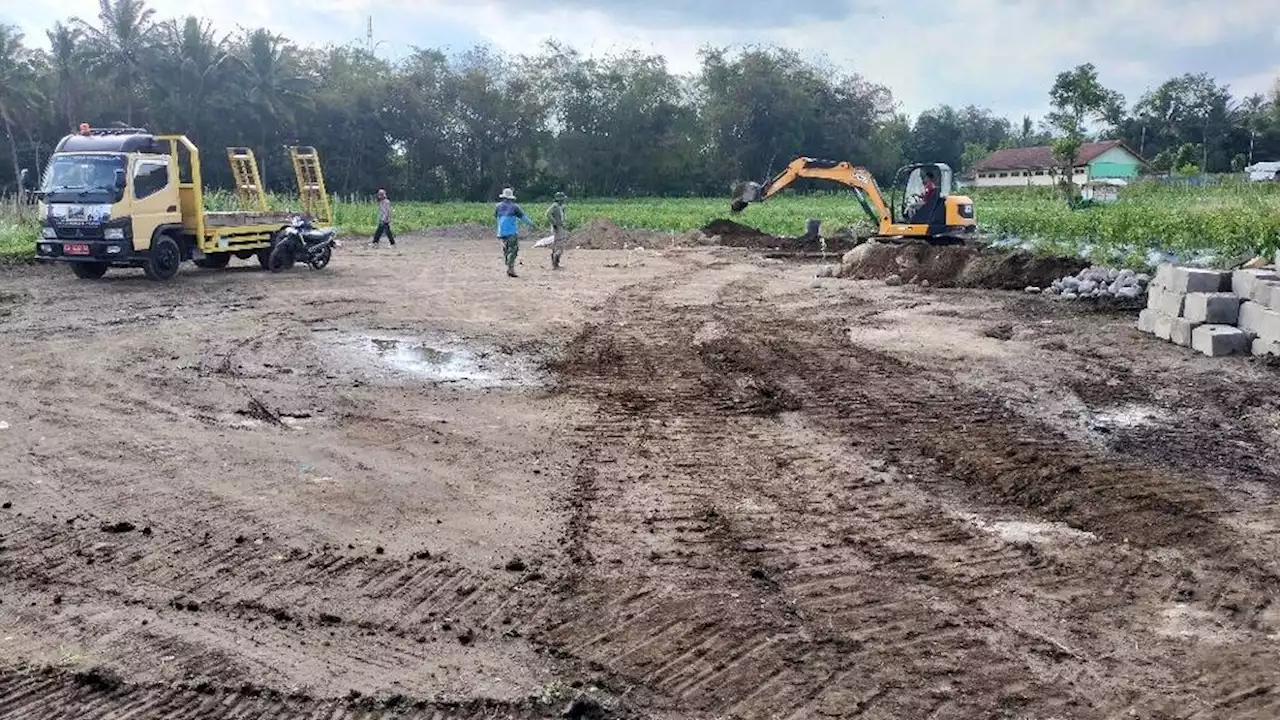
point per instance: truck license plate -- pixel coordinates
(75, 249)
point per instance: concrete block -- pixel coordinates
(1164, 276)
(1262, 291)
(1243, 282)
(1170, 303)
(1263, 347)
(1250, 319)
(1180, 330)
(1186, 280)
(1162, 327)
(1268, 294)
(1153, 297)
(1219, 340)
(1147, 321)
(1212, 308)
(1268, 324)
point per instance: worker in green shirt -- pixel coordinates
(555, 216)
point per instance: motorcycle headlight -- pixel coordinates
(49, 233)
(114, 233)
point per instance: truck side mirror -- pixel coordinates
(120, 180)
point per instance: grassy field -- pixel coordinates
(1224, 220)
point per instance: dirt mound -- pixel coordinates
(739, 235)
(956, 265)
(605, 234)
(734, 234)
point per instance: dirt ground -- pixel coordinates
(687, 483)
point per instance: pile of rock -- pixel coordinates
(1098, 282)
(1215, 312)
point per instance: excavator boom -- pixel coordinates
(859, 179)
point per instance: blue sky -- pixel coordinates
(1001, 54)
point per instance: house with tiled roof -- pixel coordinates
(1019, 167)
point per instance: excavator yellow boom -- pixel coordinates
(859, 179)
(933, 214)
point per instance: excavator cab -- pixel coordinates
(920, 192)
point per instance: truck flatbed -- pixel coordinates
(242, 218)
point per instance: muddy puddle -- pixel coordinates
(437, 358)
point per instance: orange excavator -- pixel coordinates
(927, 211)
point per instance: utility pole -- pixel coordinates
(368, 36)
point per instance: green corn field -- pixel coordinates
(1226, 220)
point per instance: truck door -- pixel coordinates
(154, 195)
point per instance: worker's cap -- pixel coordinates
(507, 194)
(561, 196)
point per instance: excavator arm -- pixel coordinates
(858, 178)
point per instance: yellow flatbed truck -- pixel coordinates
(122, 197)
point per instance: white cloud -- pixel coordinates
(1002, 54)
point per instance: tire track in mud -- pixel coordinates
(765, 581)
(56, 695)
(363, 614)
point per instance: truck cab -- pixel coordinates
(122, 197)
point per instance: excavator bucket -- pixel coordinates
(746, 194)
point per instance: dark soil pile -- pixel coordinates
(956, 265)
(734, 234)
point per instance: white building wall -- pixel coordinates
(1024, 178)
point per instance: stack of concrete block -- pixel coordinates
(1214, 312)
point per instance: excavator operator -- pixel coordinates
(930, 188)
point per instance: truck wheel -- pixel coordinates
(216, 261)
(165, 260)
(89, 271)
(281, 257)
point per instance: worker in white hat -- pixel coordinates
(509, 216)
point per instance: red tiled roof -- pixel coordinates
(1035, 158)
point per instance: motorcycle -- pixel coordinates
(300, 241)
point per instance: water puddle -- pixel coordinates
(443, 359)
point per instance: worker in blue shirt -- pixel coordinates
(509, 215)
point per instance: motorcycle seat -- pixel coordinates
(319, 235)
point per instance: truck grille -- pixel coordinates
(72, 232)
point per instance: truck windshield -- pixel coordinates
(83, 178)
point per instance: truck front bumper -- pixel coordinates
(110, 251)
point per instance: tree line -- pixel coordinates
(436, 126)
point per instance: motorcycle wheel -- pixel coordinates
(281, 257)
(321, 259)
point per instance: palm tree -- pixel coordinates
(19, 86)
(191, 60)
(118, 48)
(65, 54)
(274, 85)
